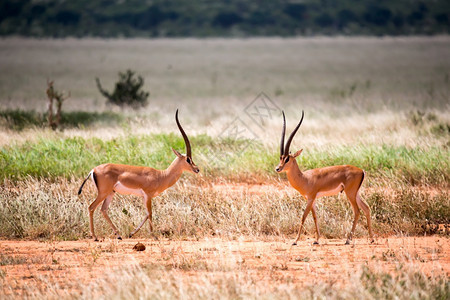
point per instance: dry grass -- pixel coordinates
(367, 283)
(43, 209)
(318, 131)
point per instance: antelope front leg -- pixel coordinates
(139, 227)
(148, 205)
(305, 214)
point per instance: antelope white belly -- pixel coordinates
(124, 190)
(331, 192)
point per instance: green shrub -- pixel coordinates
(127, 91)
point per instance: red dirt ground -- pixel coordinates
(72, 264)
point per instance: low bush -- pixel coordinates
(19, 120)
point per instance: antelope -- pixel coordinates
(327, 181)
(136, 180)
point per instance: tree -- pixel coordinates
(127, 91)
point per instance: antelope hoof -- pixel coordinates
(316, 243)
(95, 239)
(347, 242)
(130, 236)
(372, 241)
(119, 237)
(294, 244)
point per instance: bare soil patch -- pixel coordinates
(71, 265)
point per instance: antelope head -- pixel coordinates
(287, 159)
(186, 160)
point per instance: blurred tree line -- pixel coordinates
(202, 18)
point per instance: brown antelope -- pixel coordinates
(316, 183)
(136, 180)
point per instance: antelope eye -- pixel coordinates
(188, 160)
(286, 160)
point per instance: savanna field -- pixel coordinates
(381, 104)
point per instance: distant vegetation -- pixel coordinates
(127, 91)
(16, 119)
(229, 18)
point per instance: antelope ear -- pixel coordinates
(177, 153)
(297, 153)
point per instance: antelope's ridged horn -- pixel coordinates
(288, 143)
(186, 140)
(283, 133)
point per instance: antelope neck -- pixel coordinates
(295, 176)
(172, 173)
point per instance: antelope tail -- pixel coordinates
(91, 173)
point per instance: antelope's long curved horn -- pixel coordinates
(288, 143)
(283, 133)
(186, 140)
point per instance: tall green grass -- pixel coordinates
(74, 157)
